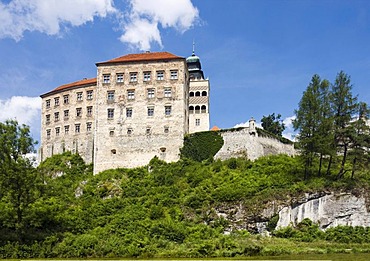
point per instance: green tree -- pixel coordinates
(273, 124)
(344, 106)
(312, 123)
(18, 178)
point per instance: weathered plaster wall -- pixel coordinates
(244, 143)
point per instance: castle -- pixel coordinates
(139, 106)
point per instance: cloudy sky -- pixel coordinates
(258, 54)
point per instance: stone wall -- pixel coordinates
(246, 143)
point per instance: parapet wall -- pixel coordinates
(243, 143)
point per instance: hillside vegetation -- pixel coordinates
(165, 210)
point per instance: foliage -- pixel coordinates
(201, 145)
(273, 124)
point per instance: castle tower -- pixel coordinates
(198, 96)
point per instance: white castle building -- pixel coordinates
(138, 107)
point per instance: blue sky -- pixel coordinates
(259, 55)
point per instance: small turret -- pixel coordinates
(252, 126)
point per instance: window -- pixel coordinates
(56, 101)
(191, 94)
(204, 93)
(150, 93)
(197, 109)
(119, 77)
(111, 133)
(197, 122)
(150, 111)
(133, 77)
(131, 94)
(166, 129)
(89, 111)
(66, 114)
(167, 92)
(129, 131)
(191, 109)
(47, 104)
(89, 95)
(110, 96)
(197, 94)
(148, 131)
(203, 109)
(48, 134)
(79, 96)
(128, 112)
(110, 113)
(174, 74)
(146, 76)
(77, 128)
(57, 131)
(56, 116)
(113, 151)
(78, 112)
(66, 129)
(66, 99)
(47, 118)
(106, 78)
(167, 110)
(88, 126)
(160, 75)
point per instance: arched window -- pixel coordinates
(191, 94)
(191, 109)
(197, 94)
(204, 109)
(204, 93)
(197, 109)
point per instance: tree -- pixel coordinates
(311, 121)
(18, 178)
(273, 124)
(344, 107)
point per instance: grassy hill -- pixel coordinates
(167, 210)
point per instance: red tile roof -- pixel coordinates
(147, 56)
(81, 83)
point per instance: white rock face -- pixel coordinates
(328, 211)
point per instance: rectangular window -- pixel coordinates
(56, 116)
(79, 96)
(48, 134)
(110, 96)
(133, 77)
(89, 95)
(110, 113)
(160, 75)
(146, 76)
(174, 74)
(66, 114)
(47, 118)
(131, 94)
(166, 129)
(129, 131)
(148, 130)
(89, 110)
(167, 92)
(47, 104)
(88, 126)
(77, 128)
(66, 99)
(128, 112)
(151, 93)
(78, 112)
(106, 78)
(66, 129)
(197, 122)
(119, 77)
(56, 101)
(150, 111)
(57, 131)
(167, 110)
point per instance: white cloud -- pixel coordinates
(49, 16)
(26, 110)
(246, 124)
(289, 132)
(146, 15)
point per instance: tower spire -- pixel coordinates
(193, 47)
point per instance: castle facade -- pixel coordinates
(138, 107)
